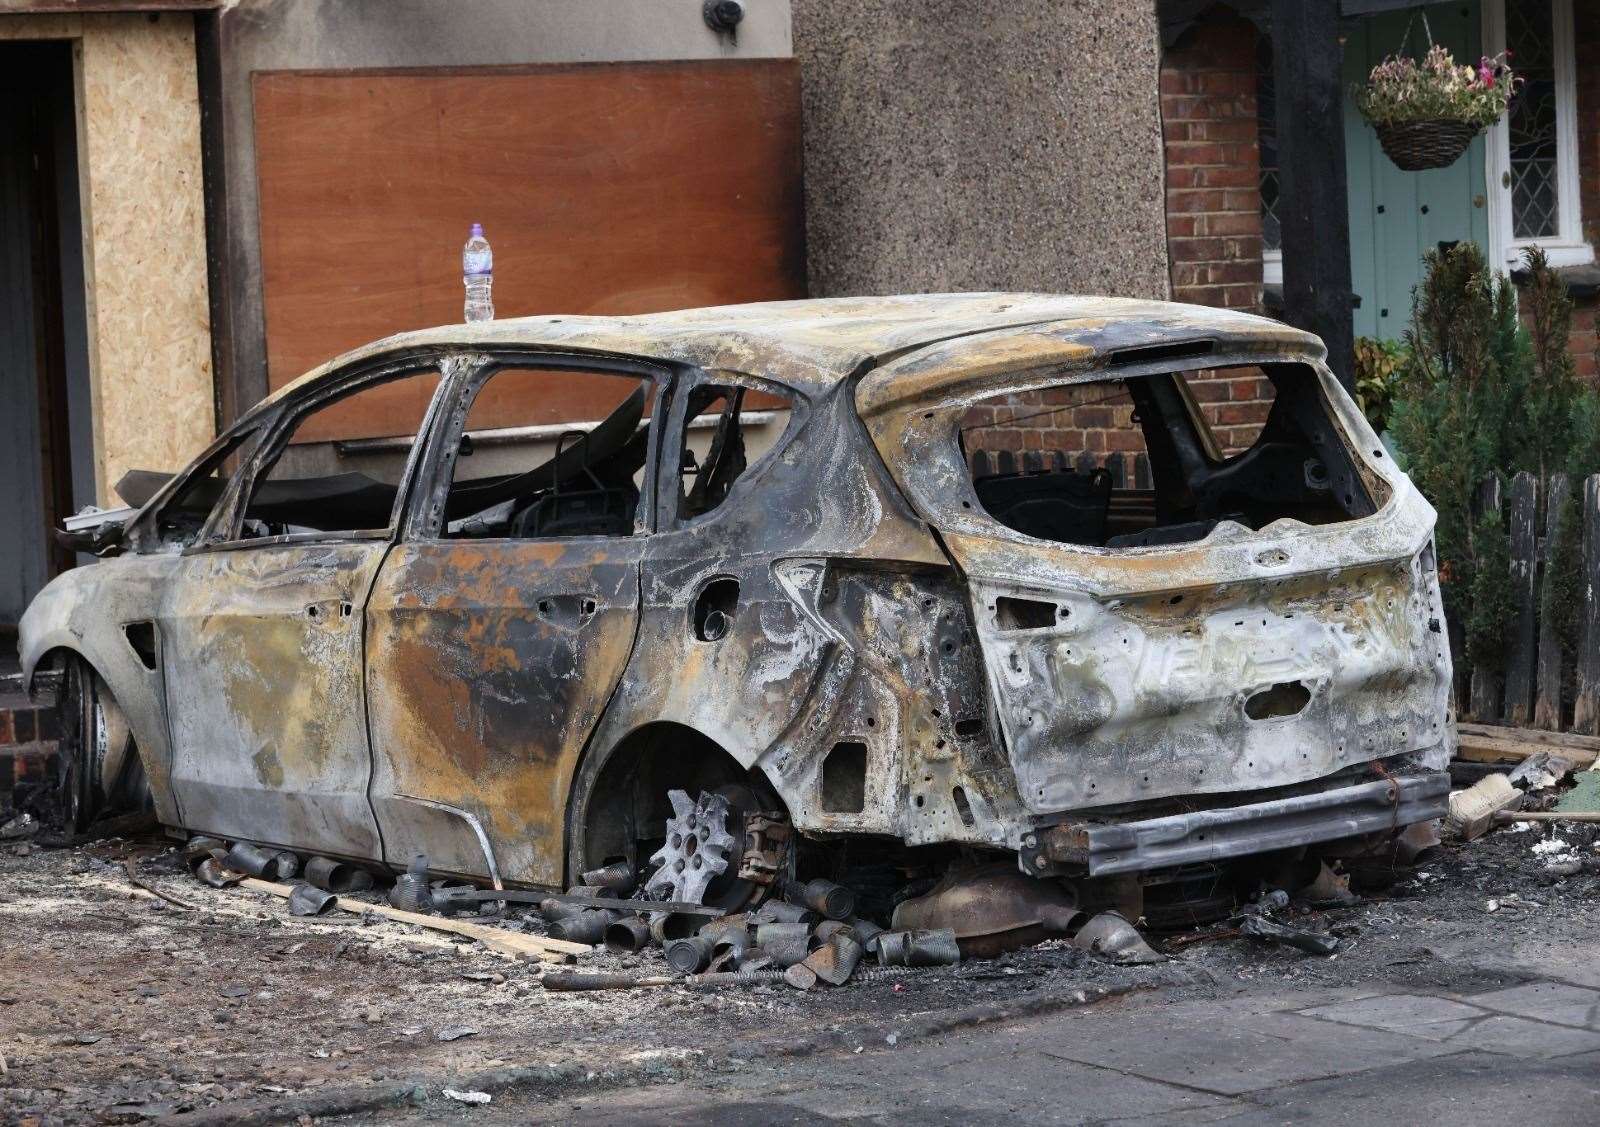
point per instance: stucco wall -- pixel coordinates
(956, 145)
(143, 233)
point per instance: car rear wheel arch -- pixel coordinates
(618, 798)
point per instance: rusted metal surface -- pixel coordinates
(520, 705)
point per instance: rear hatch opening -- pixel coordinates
(1144, 461)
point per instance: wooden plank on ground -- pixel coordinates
(1547, 706)
(510, 943)
(1524, 513)
(1586, 705)
(1477, 749)
(1530, 735)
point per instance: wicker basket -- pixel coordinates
(1418, 145)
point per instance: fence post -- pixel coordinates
(1519, 648)
(1586, 708)
(1485, 703)
(1547, 708)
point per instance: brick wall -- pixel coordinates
(1208, 121)
(1213, 217)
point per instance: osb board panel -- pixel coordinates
(144, 236)
(604, 189)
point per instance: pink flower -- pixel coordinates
(1486, 73)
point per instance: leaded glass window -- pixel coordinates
(1267, 134)
(1531, 124)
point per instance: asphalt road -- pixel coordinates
(1527, 1054)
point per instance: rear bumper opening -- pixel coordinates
(1110, 848)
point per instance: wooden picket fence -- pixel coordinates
(1532, 689)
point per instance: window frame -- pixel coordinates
(1567, 247)
(222, 530)
(241, 439)
(669, 484)
(424, 518)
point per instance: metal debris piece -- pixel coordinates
(1329, 887)
(786, 943)
(252, 860)
(667, 926)
(754, 958)
(992, 909)
(866, 933)
(833, 901)
(199, 847)
(800, 976)
(580, 980)
(1540, 771)
(411, 892)
(937, 947)
(212, 871)
(309, 900)
(783, 912)
(689, 955)
(455, 899)
(588, 926)
(1271, 931)
(834, 961)
(21, 826)
(696, 849)
(337, 876)
(1113, 937)
(627, 935)
(618, 876)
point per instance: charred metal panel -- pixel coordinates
(783, 683)
(1139, 686)
(83, 611)
(1140, 698)
(488, 664)
(263, 663)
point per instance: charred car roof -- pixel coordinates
(812, 344)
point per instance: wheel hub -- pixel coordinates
(697, 849)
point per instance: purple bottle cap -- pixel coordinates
(477, 231)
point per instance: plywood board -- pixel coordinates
(604, 189)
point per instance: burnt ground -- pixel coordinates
(117, 1007)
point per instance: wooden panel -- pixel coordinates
(603, 188)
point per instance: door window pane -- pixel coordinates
(1531, 121)
(549, 453)
(316, 482)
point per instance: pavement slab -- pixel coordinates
(1546, 1001)
(1520, 1037)
(1416, 1015)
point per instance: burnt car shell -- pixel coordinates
(866, 678)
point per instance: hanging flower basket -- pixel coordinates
(1418, 145)
(1426, 112)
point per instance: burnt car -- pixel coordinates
(877, 584)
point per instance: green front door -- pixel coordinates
(1396, 217)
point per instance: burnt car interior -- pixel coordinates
(1150, 460)
(586, 484)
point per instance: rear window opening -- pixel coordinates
(1151, 460)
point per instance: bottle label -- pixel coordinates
(481, 262)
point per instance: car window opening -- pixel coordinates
(1163, 459)
(310, 485)
(530, 463)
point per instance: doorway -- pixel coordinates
(46, 421)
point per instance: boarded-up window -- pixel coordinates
(604, 189)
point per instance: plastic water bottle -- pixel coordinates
(477, 274)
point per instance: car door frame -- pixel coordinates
(454, 777)
(336, 575)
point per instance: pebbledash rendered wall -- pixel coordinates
(952, 145)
